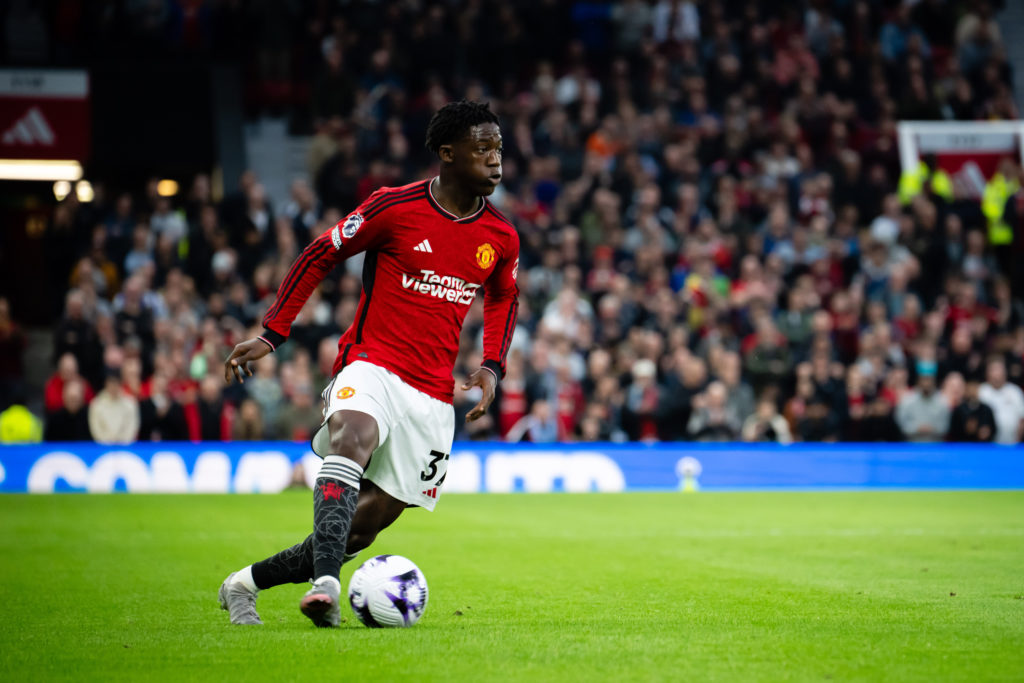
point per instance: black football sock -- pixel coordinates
(291, 565)
(334, 505)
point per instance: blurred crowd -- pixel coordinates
(713, 245)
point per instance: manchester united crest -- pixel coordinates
(485, 255)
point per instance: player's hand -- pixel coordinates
(238, 362)
(486, 380)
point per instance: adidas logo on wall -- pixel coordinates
(424, 246)
(30, 129)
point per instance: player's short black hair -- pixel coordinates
(452, 122)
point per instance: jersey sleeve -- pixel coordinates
(349, 237)
(501, 305)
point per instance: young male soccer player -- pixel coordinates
(388, 420)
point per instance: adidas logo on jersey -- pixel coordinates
(424, 246)
(30, 129)
(430, 493)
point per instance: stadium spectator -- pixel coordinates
(302, 211)
(713, 419)
(210, 418)
(67, 371)
(962, 356)
(113, 413)
(766, 424)
(133, 317)
(977, 37)
(869, 412)
(265, 389)
(972, 420)
(1006, 401)
(248, 424)
(794, 322)
(922, 413)
(953, 389)
(119, 227)
(900, 36)
(161, 418)
(766, 353)
(674, 20)
(513, 400)
(539, 426)
(71, 421)
(642, 402)
(166, 223)
(739, 395)
(12, 349)
(334, 90)
(77, 334)
(141, 254)
(809, 412)
(300, 417)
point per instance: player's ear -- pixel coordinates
(446, 153)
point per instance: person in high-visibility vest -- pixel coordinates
(1012, 252)
(926, 176)
(998, 190)
(19, 425)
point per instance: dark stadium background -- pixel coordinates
(714, 246)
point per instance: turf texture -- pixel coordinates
(874, 586)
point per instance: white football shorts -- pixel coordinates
(416, 431)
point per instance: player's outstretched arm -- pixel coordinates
(237, 364)
(486, 380)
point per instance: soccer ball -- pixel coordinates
(388, 590)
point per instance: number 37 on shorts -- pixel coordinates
(431, 469)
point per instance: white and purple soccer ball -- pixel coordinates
(388, 591)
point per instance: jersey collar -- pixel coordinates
(448, 214)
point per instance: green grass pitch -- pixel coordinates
(923, 586)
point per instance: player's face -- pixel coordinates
(477, 158)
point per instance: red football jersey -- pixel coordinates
(423, 268)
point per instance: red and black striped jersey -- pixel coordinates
(423, 268)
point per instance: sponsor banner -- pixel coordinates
(269, 467)
(969, 151)
(968, 141)
(44, 114)
(971, 168)
(44, 83)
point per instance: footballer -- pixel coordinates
(431, 248)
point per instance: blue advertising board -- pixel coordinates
(268, 467)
